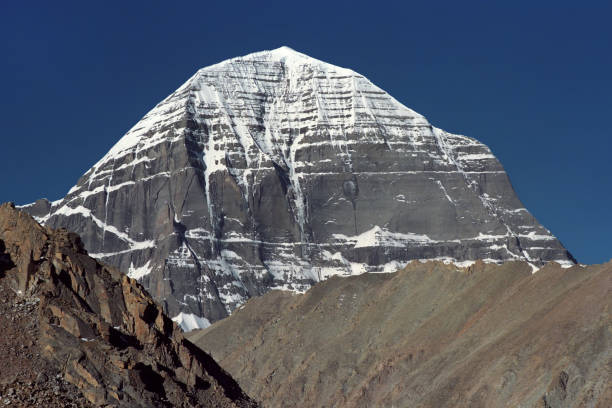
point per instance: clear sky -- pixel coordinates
(531, 79)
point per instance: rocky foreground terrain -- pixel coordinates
(75, 332)
(27, 378)
(430, 335)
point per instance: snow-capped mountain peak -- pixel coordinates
(276, 170)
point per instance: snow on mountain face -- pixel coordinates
(189, 322)
(276, 170)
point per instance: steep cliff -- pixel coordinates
(276, 170)
(89, 325)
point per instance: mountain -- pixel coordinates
(76, 332)
(276, 171)
(430, 335)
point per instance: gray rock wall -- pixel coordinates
(276, 170)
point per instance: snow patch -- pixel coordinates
(377, 237)
(190, 321)
(539, 237)
(86, 213)
(478, 156)
(137, 273)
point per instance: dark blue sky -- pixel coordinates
(531, 81)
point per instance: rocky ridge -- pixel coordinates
(275, 171)
(430, 335)
(89, 333)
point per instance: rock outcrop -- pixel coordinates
(431, 335)
(276, 170)
(95, 328)
(27, 378)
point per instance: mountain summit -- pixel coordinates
(277, 170)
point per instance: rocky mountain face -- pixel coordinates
(78, 333)
(276, 171)
(430, 335)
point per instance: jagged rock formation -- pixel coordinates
(276, 170)
(95, 327)
(431, 335)
(27, 379)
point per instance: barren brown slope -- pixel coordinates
(93, 330)
(431, 335)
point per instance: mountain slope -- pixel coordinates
(93, 327)
(276, 170)
(431, 335)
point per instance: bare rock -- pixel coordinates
(276, 171)
(99, 329)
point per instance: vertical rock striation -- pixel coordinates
(276, 170)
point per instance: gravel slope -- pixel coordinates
(431, 335)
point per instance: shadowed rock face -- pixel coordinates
(431, 335)
(276, 170)
(99, 328)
